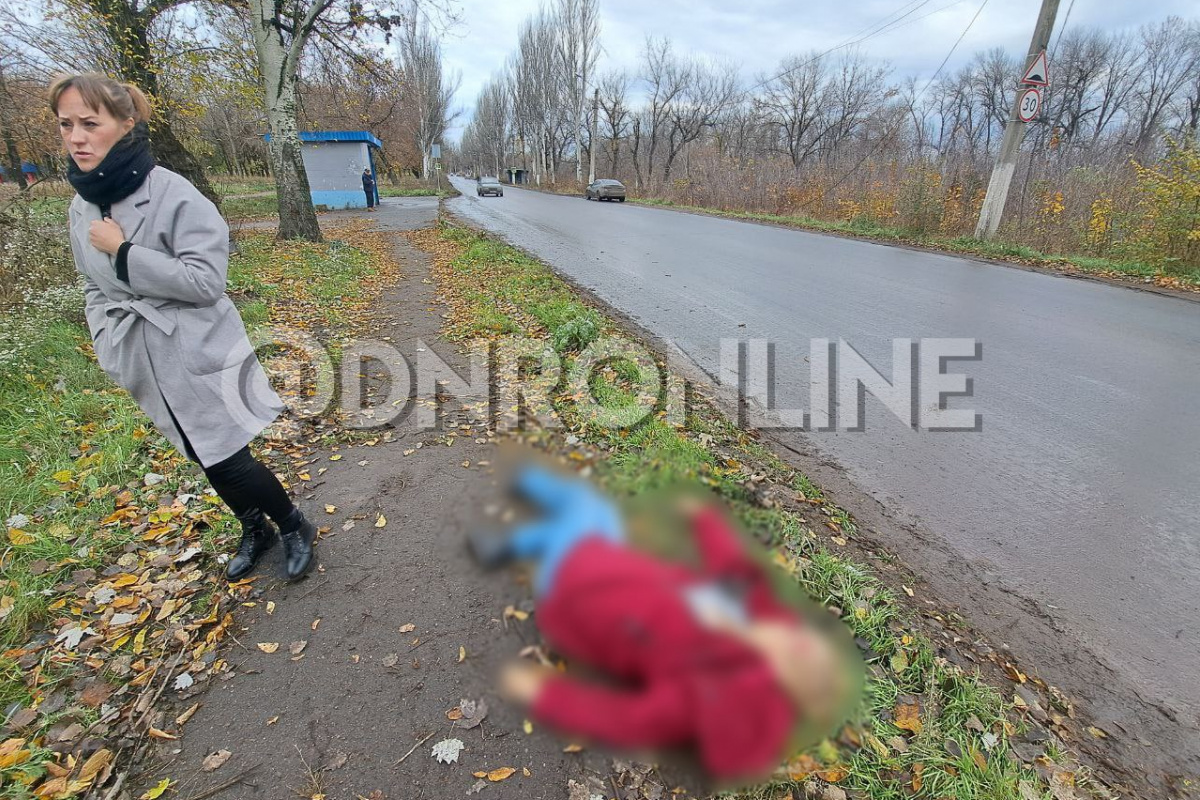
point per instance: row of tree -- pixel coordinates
(222, 74)
(1113, 94)
(825, 129)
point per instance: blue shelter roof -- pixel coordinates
(337, 136)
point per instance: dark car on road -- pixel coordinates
(489, 186)
(605, 189)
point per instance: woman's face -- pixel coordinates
(88, 133)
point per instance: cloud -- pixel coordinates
(913, 36)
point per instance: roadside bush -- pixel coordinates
(1164, 225)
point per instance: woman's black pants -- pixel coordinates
(244, 483)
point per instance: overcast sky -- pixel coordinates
(759, 33)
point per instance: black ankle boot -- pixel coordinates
(298, 535)
(258, 536)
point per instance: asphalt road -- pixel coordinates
(1078, 496)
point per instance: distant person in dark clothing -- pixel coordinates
(369, 189)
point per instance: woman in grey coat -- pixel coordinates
(154, 254)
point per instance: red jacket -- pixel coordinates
(624, 612)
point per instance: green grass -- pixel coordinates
(965, 245)
(227, 187)
(508, 292)
(398, 191)
(324, 280)
(250, 207)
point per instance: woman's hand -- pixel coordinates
(106, 236)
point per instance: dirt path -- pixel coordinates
(361, 694)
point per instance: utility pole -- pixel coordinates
(592, 138)
(1006, 161)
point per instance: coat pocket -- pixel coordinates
(105, 356)
(212, 338)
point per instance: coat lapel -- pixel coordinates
(128, 213)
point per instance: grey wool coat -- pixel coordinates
(171, 336)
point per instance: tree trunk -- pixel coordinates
(297, 217)
(129, 32)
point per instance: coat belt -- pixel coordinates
(126, 312)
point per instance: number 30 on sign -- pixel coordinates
(1031, 103)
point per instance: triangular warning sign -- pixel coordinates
(1038, 73)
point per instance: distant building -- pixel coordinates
(29, 172)
(334, 161)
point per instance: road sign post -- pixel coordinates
(1036, 73)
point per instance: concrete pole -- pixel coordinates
(592, 138)
(1006, 162)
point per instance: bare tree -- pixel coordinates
(429, 92)
(617, 116)
(577, 24)
(1169, 58)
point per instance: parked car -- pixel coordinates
(605, 189)
(488, 186)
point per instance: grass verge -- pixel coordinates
(1186, 279)
(927, 728)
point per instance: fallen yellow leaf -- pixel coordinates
(157, 791)
(528, 727)
(13, 752)
(330, 508)
(908, 717)
(182, 719)
(833, 775)
(501, 774)
(92, 767)
(381, 521)
(268, 647)
(462, 654)
(19, 537)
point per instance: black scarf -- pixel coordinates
(120, 173)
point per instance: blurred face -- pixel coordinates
(88, 133)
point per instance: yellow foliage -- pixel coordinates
(1099, 233)
(1165, 224)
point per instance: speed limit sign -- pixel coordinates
(1031, 103)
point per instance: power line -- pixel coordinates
(875, 29)
(920, 94)
(1062, 30)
